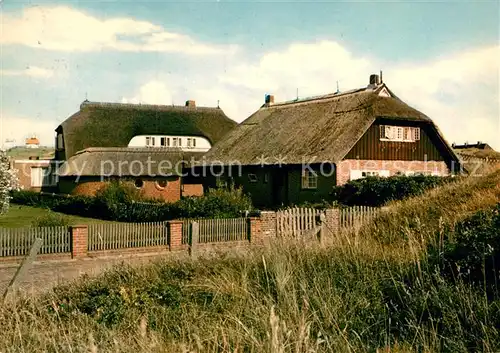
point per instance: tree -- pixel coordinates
(8, 181)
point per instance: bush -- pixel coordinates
(471, 251)
(376, 191)
(119, 203)
(50, 220)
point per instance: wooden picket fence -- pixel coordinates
(295, 222)
(217, 230)
(356, 216)
(111, 236)
(18, 241)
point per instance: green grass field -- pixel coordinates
(22, 216)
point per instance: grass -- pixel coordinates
(22, 216)
(24, 152)
(374, 290)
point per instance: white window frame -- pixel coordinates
(399, 133)
(309, 179)
(355, 174)
(44, 177)
(252, 178)
(175, 142)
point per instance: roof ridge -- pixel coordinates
(324, 97)
(89, 104)
(130, 149)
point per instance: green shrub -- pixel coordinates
(376, 191)
(121, 203)
(50, 220)
(471, 251)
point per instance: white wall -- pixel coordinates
(202, 144)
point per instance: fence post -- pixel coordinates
(175, 235)
(21, 270)
(79, 241)
(254, 230)
(194, 236)
(322, 225)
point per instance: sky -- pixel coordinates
(441, 57)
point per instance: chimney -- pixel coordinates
(191, 103)
(269, 99)
(374, 80)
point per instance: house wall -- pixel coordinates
(298, 195)
(23, 169)
(371, 147)
(276, 186)
(344, 167)
(90, 185)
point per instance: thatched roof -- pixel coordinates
(127, 162)
(319, 129)
(114, 124)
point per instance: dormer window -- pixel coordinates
(150, 141)
(60, 141)
(399, 133)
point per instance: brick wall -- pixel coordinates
(89, 186)
(344, 167)
(192, 190)
(79, 241)
(268, 224)
(23, 169)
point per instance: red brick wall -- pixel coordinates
(344, 167)
(150, 189)
(192, 190)
(23, 169)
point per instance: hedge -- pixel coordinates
(115, 206)
(376, 191)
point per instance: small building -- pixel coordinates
(35, 174)
(297, 151)
(145, 145)
(32, 142)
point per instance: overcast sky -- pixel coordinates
(440, 57)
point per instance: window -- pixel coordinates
(368, 173)
(194, 142)
(359, 174)
(180, 142)
(252, 178)
(161, 184)
(150, 141)
(139, 183)
(174, 142)
(399, 133)
(41, 176)
(60, 141)
(163, 141)
(309, 179)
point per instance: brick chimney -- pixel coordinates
(269, 99)
(374, 79)
(190, 103)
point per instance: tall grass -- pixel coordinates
(361, 292)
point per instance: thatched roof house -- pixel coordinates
(115, 124)
(323, 128)
(127, 162)
(297, 151)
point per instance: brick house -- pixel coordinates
(34, 174)
(296, 151)
(145, 145)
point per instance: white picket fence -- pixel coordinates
(217, 230)
(294, 222)
(18, 241)
(111, 236)
(356, 216)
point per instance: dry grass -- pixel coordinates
(370, 291)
